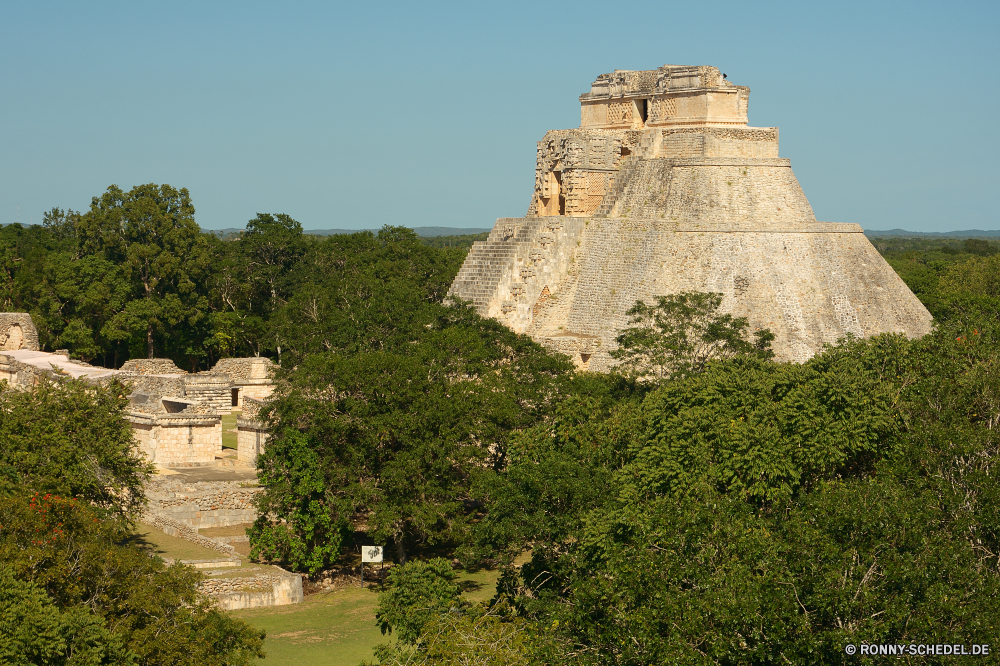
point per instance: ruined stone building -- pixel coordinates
(664, 188)
(176, 416)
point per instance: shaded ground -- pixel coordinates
(196, 474)
(167, 546)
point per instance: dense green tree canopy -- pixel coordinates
(392, 403)
(72, 439)
(112, 598)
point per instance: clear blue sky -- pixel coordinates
(354, 115)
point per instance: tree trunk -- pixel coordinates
(400, 549)
(149, 339)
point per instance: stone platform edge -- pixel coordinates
(685, 226)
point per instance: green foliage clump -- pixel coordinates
(142, 611)
(765, 512)
(761, 430)
(680, 333)
(417, 592)
(481, 635)
(150, 234)
(400, 434)
(33, 630)
(314, 525)
(71, 438)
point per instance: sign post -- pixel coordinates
(369, 554)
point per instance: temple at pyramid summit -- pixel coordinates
(664, 188)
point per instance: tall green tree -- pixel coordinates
(71, 438)
(150, 232)
(679, 334)
(251, 280)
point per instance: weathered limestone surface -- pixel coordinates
(251, 432)
(274, 588)
(177, 439)
(250, 377)
(204, 504)
(665, 189)
(151, 366)
(17, 331)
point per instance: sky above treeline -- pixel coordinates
(355, 115)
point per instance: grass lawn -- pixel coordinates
(165, 545)
(329, 628)
(337, 628)
(229, 429)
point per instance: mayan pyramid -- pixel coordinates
(663, 189)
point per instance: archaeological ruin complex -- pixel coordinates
(664, 188)
(176, 416)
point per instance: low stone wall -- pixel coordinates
(178, 529)
(206, 504)
(19, 375)
(271, 589)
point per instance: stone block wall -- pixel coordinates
(17, 331)
(251, 433)
(275, 588)
(810, 284)
(246, 370)
(210, 388)
(177, 439)
(152, 366)
(153, 385)
(206, 504)
(253, 391)
(506, 275)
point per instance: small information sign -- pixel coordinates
(371, 553)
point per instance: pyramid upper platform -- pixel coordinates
(671, 96)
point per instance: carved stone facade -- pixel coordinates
(664, 188)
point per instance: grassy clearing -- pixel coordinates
(329, 628)
(172, 547)
(338, 627)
